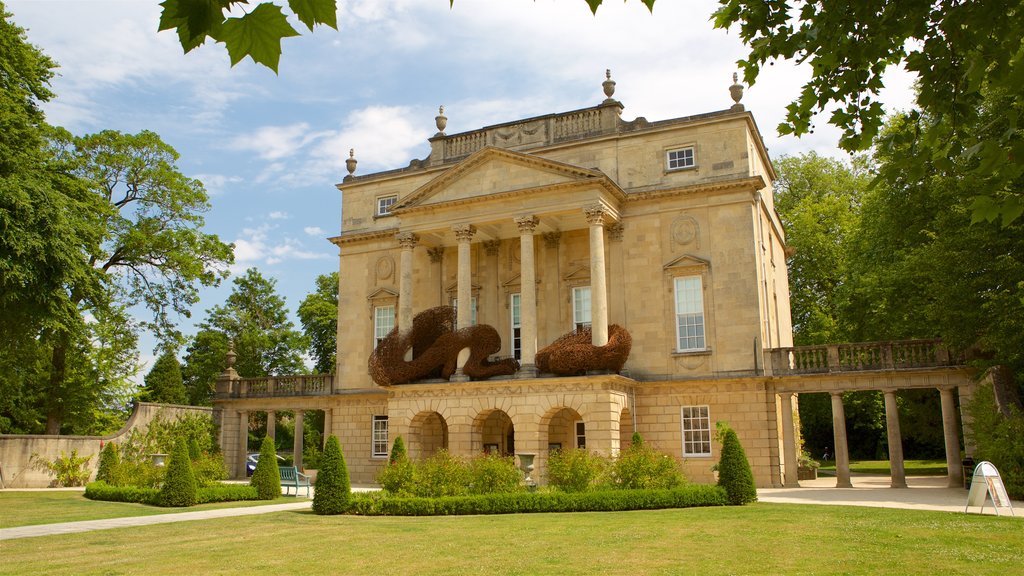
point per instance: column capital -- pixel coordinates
(551, 239)
(407, 240)
(464, 232)
(836, 393)
(491, 247)
(615, 231)
(527, 224)
(436, 254)
(595, 214)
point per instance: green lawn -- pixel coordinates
(911, 467)
(45, 507)
(756, 539)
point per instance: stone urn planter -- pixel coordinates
(807, 473)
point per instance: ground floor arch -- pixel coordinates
(428, 434)
(565, 429)
(494, 433)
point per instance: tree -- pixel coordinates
(318, 313)
(255, 318)
(267, 477)
(818, 200)
(333, 489)
(180, 487)
(959, 50)
(110, 465)
(164, 382)
(734, 473)
(205, 359)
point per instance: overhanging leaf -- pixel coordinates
(258, 35)
(313, 12)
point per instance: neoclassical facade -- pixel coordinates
(547, 225)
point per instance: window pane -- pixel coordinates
(581, 305)
(696, 423)
(383, 322)
(690, 313)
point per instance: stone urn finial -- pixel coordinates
(608, 85)
(736, 91)
(231, 356)
(441, 120)
(350, 164)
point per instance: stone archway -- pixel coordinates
(565, 429)
(625, 429)
(493, 432)
(428, 433)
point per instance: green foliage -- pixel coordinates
(180, 487)
(443, 474)
(333, 490)
(209, 469)
(494, 474)
(110, 465)
(999, 439)
(636, 439)
(205, 359)
(67, 470)
(266, 478)
(642, 467)
(378, 504)
(100, 490)
(397, 476)
(960, 52)
(160, 437)
(398, 451)
(574, 470)
(318, 313)
(734, 473)
(256, 33)
(164, 382)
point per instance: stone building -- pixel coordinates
(581, 219)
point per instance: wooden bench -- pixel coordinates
(291, 477)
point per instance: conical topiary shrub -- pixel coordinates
(332, 492)
(397, 451)
(110, 465)
(266, 477)
(397, 475)
(734, 472)
(179, 487)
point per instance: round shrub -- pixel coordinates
(734, 472)
(110, 465)
(494, 474)
(441, 475)
(574, 470)
(642, 467)
(332, 492)
(266, 477)
(179, 487)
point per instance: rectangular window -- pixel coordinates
(696, 431)
(384, 204)
(581, 307)
(681, 158)
(581, 434)
(383, 322)
(689, 313)
(380, 436)
(517, 332)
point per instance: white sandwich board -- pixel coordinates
(986, 483)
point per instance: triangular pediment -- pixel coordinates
(578, 273)
(495, 171)
(513, 281)
(687, 261)
(454, 287)
(381, 293)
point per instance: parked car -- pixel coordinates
(253, 459)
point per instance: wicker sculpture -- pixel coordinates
(435, 351)
(573, 354)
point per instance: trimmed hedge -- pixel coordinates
(215, 493)
(378, 504)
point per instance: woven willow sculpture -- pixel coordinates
(435, 351)
(574, 354)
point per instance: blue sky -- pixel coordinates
(270, 148)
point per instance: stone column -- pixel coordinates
(328, 425)
(954, 469)
(528, 296)
(407, 240)
(464, 235)
(271, 424)
(598, 283)
(892, 424)
(243, 444)
(791, 479)
(839, 436)
(300, 418)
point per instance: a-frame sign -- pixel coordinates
(986, 483)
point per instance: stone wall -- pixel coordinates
(18, 452)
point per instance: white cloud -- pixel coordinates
(265, 244)
(276, 142)
(278, 215)
(215, 183)
(314, 231)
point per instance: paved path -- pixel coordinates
(924, 493)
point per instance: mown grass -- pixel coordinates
(756, 539)
(48, 507)
(911, 467)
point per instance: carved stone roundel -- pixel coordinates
(684, 230)
(385, 267)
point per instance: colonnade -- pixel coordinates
(596, 216)
(894, 437)
(242, 441)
